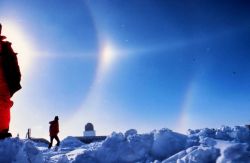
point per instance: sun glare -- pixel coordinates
(106, 59)
(107, 56)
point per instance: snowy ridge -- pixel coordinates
(223, 145)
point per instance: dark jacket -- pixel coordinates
(10, 67)
(54, 128)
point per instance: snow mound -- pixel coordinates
(17, 151)
(235, 153)
(130, 132)
(118, 148)
(237, 133)
(167, 143)
(223, 145)
(71, 142)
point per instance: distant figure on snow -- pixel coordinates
(28, 134)
(10, 78)
(53, 131)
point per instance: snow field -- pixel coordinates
(223, 145)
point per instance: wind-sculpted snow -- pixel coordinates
(118, 148)
(9, 149)
(17, 151)
(223, 145)
(71, 142)
(166, 143)
(237, 134)
(237, 153)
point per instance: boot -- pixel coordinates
(50, 145)
(5, 134)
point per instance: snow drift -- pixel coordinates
(223, 145)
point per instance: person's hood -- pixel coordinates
(2, 38)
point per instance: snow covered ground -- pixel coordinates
(223, 145)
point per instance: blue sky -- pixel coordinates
(129, 64)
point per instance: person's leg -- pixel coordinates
(58, 141)
(51, 142)
(3, 121)
(5, 105)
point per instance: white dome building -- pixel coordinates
(89, 130)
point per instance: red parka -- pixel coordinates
(54, 128)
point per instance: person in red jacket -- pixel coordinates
(53, 131)
(10, 77)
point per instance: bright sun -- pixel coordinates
(107, 55)
(106, 59)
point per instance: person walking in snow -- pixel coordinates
(53, 131)
(10, 78)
